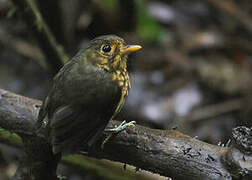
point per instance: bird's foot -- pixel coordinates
(116, 130)
(121, 127)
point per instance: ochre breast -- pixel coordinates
(122, 79)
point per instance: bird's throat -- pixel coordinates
(117, 64)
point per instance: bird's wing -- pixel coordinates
(73, 127)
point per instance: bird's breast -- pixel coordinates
(122, 78)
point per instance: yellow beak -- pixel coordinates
(132, 48)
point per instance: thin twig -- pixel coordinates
(54, 52)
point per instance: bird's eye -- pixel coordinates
(106, 48)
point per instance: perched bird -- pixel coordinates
(87, 92)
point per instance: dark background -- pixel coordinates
(193, 74)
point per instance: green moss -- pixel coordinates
(109, 6)
(10, 138)
(11, 12)
(147, 28)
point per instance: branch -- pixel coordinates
(169, 153)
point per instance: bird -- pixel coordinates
(87, 92)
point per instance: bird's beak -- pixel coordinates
(131, 48)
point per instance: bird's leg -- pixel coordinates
(121, 127)
(116, 130)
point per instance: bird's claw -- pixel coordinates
(116, 130)
(121, 127)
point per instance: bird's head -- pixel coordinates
(110, 52)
